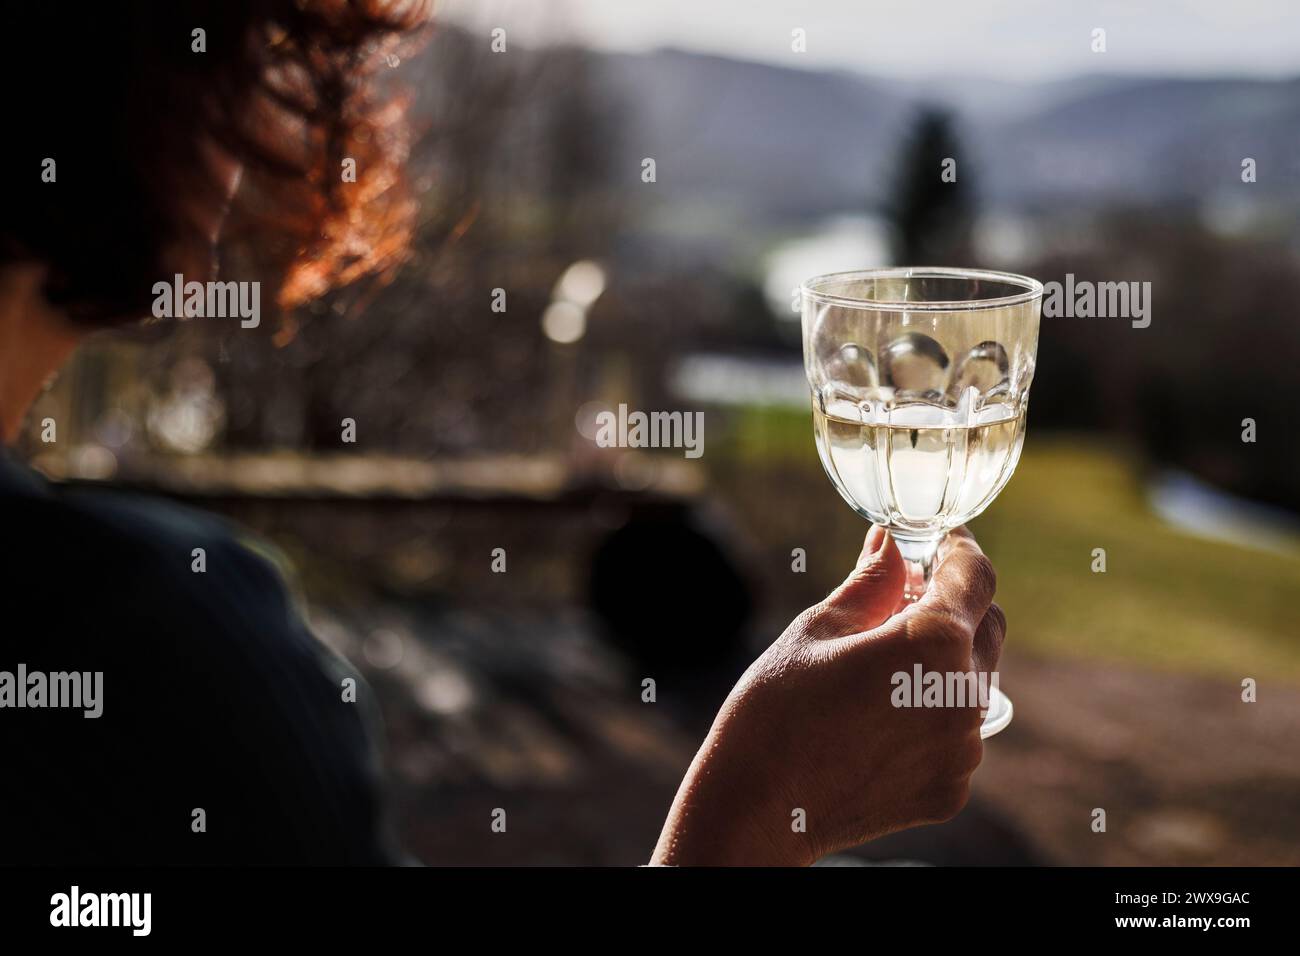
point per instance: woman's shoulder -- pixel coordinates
(213, 681)
(121, 547)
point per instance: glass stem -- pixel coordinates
(918, 555)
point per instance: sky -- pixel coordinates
(1020, 40)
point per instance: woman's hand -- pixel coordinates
(811, 725)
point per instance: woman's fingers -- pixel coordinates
(987, 646)
(871, 592)
(964, 581)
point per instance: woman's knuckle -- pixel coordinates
(984, 577)
(939, 627)
(998, 620)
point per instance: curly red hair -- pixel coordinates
(139, 111)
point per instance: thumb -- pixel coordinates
(873, 590)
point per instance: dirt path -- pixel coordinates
(1186, 772)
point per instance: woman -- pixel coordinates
(222, 734)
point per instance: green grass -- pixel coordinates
(1166, 599)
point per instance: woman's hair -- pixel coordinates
(143, 105)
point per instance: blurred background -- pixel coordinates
(522, 689)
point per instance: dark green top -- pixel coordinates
(215, 694)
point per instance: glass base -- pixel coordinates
(999, 714)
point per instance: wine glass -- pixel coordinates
(920, 383)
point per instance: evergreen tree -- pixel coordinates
(931, 208)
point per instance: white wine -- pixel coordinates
(917, 467)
